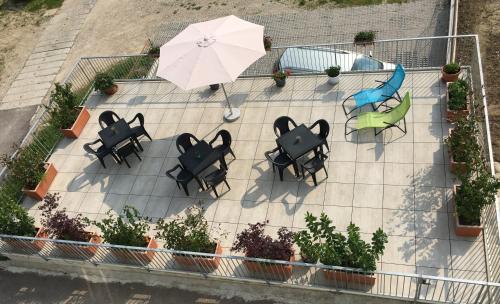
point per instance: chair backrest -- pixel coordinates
(226, 137)
(282, 124)
(108, 118)
(399, 112)
(395, 82)
(324, 128)
(183, 142)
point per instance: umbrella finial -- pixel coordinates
(206, 41)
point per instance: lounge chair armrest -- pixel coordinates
(214, 139)
(170, 171)
(314, 125)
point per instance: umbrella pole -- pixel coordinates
(230, 114)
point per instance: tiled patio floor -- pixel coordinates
(395, 181)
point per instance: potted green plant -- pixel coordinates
(127, 229)
(28, 169)
(154, 51)
(190, 233)
(56, 224)
(280, 77)
(268, 43)
(255, 244)
(333, 73)
(477, 189)
(65, 111)
(15, 221)
(364, 38)
(450, 72)
(332, 248)
(105, 83)
(463, 146)
(457, 100)
(214, 87)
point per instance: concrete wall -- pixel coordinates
(248, 290)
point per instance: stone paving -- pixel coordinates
(33, 82)
(395, 181)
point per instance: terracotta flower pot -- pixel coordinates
(205, 263)
(280, 82)
(359, 278)
(455, 115)
(283, 271)
(449, 77)
(111, 90)
(43, 186)
(28, 246)
(214, 87)
(461, 229)
(136, 257)
(77, 127)
(85, 251)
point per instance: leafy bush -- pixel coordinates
(463, 143)
(14, 219)
(457, 95)
(478, 189)
(280, 75)
(127, 229)
(187, 234)
(154, 50)
(58, 224)
(364, 37)
(103, 81)
(333, 248)
(268, 42)
(333, 71)
(255, 244)
(63, 107)
(26, 168)
(451, 68)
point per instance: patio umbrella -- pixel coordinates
(211, 52)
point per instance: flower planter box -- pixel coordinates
(455, 167)
(205, 263)
(43, 186)
(359, 278)
(112, 90)
(82, 251)
(280, 82)
(278, 270)
(334, 80)
(454, 115)
(449, 77)
(77, 127)
(25, 245)
(461, 229)
(136, 257)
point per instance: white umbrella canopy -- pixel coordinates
(211, 52)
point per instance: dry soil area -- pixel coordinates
(483, 17)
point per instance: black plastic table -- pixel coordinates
(116, 133)
(298, 141)
(200, 157)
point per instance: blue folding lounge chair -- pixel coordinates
(382, 93)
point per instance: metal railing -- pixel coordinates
(409, 287)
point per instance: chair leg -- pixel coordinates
(215, 191)
(326, 144)
(138, 144)
(200, 183)
(303, 172)
(326, 172)
(126, 162)
(102, 162)
(178, 184)
(147, 134)
(280, 170)
(296, 169)
(136, 154)
(314, 178)
(232, 153)
(225, 182)
(184, 186)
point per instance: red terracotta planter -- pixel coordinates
(337, 275)
(449, 77)
(283, 271)
(205, 263)
(77, 127)
(464, 230)
(112, 90)
(455, 167)
(43, 186)
(455, 115)
(86, 251)
(34, 246)
(136, 257)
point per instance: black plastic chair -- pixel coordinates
(182, 178)
(100, 152)
(281, 161)
(215, 178)
(183, 142)
(282, 125)
(139, 130)
(314, 165)
(107, 118)
(324, 130)
(225, 147)
(127, 150)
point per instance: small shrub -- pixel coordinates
(63, 107)
(364, 37)
(127, 229)
(154, 50)
(268, 42)
(463, 143)
(457, 93)
(187, 234)
(451, 68)
(103, 81)
(27, 167)
(255, 244)
(333, 71)
(279, 75)
(14, 219)
(59, 225)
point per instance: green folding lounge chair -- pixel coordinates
(383, 120)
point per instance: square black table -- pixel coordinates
(298, 141)
(116, 133)
(200, 157)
